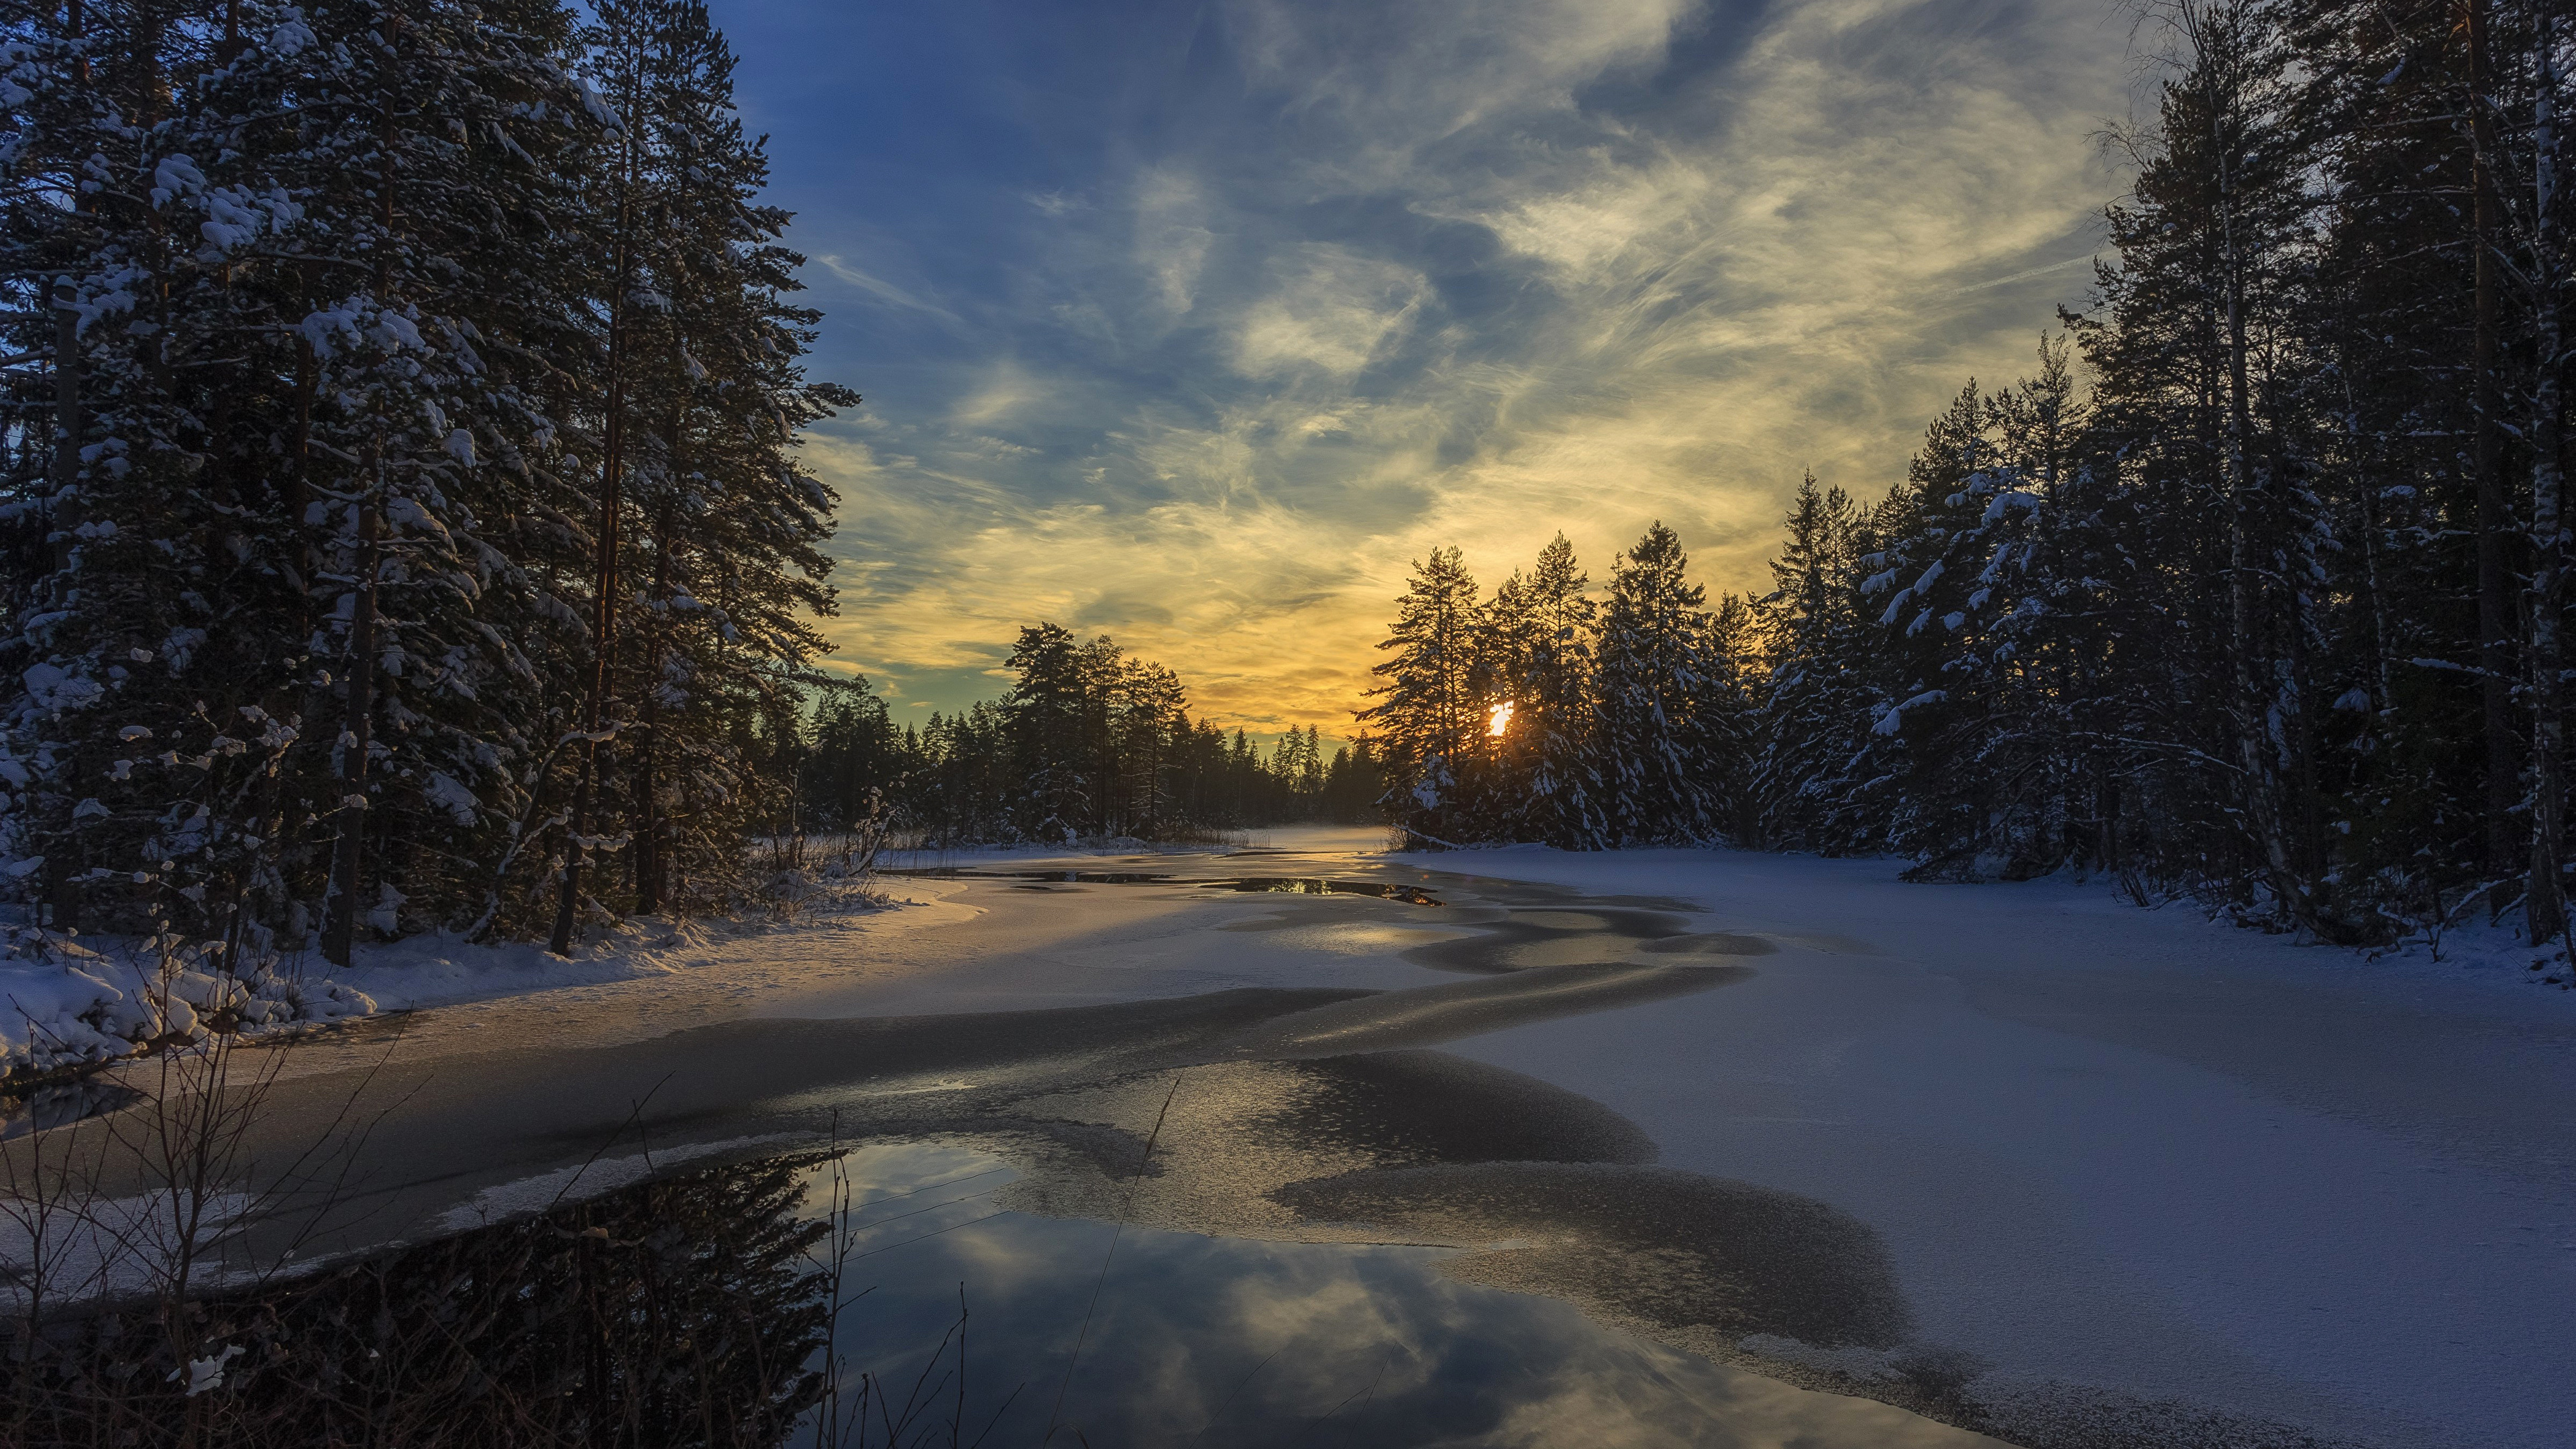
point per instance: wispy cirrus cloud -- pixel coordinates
(1206, 320)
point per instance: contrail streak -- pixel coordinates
(2033, 272)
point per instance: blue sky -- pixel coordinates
(1194, 324)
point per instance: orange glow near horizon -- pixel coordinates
(1499, 718)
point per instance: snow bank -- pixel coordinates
(437, 968)
(2054, 921)
(68, 1003)
(73, 1001)
(537, 1194)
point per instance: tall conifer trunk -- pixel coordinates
(67, 389)
(348, 856)
(67, 359)
(648, 819)
(2543, 905)
(299, 447)
(604, 600)
(63, 466)
(2257, 755)
(2495, 603)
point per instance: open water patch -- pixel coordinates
(1263, 884)
(1067, 877)
(1321, 886)
(58, 1104)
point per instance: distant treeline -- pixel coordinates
(1089, 743)
(2272, 610)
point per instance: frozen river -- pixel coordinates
(1517, 1147)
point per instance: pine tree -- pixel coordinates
(1150, 717)
(1553, 714)
(1818, 773)
(1729, 717)
(1047, 710)
(1657, 783)
(1429, 722)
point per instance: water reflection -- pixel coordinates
(1272, 884)
(698, 1311)
(1234, 1341)
(1070, 877)
(57, 1103)
(1319, 886)
(689, 1311)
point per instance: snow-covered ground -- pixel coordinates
(2128, 1147)
(71, 999)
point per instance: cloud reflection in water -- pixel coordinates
(1237, 1341)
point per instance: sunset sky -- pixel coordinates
(1195, 323)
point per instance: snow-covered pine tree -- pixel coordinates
(1819, 780)
(2200, 349)
(1657, 774)
(1729, 717)
(140, 784)
(1993, 652)
(1045, 709)
(292, 607)
(288, 289)
(1545, 639)
(1428, 721)
(438, 154)
(2414, 445)
(1971, 763)
(710, 542)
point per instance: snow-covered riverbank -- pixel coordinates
(69, 1000)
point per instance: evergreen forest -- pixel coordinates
(2253, 589)
(1088, 744)
(399, 490)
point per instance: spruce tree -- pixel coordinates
(1428, 722)
(1657, 783)
(1817, 770)
(1554, 689)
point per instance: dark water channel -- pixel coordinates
(1251, 1217)
(1264, 884)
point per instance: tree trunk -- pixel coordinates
(648, 820)
(2543, 905)
(340, 923)
(299, 450)
(2495, 600)
(2257, 753)
(67, 359)
(604, 599)
(67, 389)
(340, 929)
